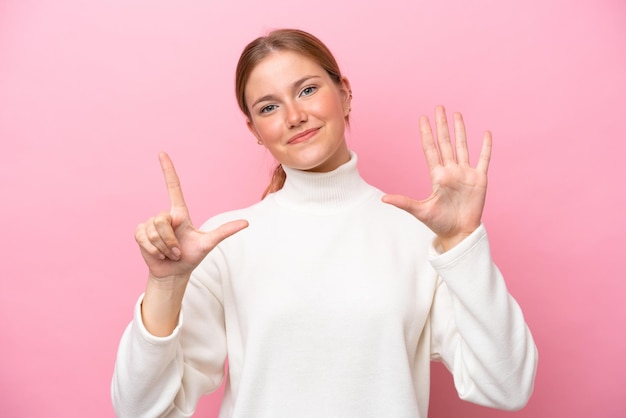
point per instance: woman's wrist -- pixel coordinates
(447, 243)
(450, 242)
(161, 305)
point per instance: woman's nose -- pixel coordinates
(296, 115)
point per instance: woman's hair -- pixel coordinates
(294, 40)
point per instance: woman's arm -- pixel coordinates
(159, 370)
(478, 329)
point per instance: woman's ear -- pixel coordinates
(254, 132)
(346, 92)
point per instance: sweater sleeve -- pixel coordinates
(479, 331)
(166, 376)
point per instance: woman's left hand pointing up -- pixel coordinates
(454, 209)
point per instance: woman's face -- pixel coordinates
(298, 112)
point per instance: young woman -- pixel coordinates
(328, 297)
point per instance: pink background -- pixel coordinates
(91, 91)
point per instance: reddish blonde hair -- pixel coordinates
(281, 40)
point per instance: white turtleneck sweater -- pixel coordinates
(331, 304)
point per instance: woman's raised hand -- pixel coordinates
(454, 209)
(170, 245)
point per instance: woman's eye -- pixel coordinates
(268, 108)
(307, 91)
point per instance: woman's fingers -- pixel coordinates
(428, 144)
(174, 189)
(169, 242)
(158, 238)
(460, 139)
(485, 153)
(166, 236)
(141, 236)
(443, 136)
(414, 207)
(439, 149)
(214, 237)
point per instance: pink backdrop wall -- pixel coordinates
(91, 91)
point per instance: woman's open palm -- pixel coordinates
(454, 208)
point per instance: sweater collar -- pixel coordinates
(324, 192)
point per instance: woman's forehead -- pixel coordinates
(281, 69)
(284, 61)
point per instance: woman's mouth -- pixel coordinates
(303, 136)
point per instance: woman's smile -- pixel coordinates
(303, 136)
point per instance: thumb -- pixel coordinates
(214, 237)
(414, 207)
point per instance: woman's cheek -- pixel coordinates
(271, 130)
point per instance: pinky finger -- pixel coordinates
(485, 153)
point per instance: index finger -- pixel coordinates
(428, 143)
(172, 182)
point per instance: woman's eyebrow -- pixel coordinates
(303, 80)
(296, 85)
